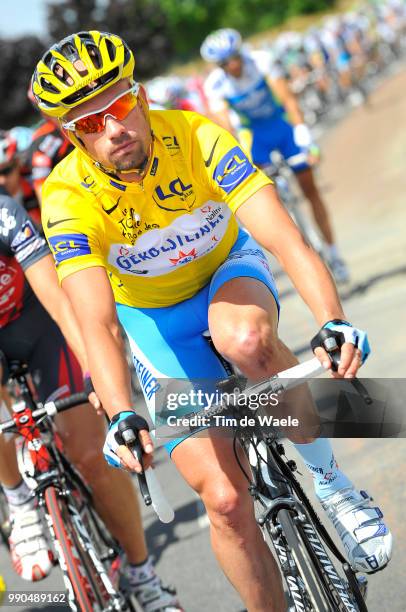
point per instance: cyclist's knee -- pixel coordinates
(252, 346)
(88, 461)
(229, 509)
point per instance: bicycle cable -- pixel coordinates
(270, 467)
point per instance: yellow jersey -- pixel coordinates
(160, 240)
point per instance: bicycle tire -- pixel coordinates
(94, 546)
(68, 560)
(102, 537)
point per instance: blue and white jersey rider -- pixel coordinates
(250, 95)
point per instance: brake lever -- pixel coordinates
(150, 487)
(132, 442)
(333, 350)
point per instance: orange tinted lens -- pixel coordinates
(119, 109)
(91, 124)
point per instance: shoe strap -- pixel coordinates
(362, 534)
(369, 524)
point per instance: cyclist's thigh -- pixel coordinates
(294, 155)
(54, 369)
(168, 343)
(18, 338)
(56, 373)
(243, 286)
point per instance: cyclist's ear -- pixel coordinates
(142, 94)
(143, 100)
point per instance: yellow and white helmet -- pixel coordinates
(78, 68)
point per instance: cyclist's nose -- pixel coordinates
(113, 126)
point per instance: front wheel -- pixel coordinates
(89, 588)
(69, 560)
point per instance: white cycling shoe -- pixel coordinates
(366, 538)
(30, 554)
(339, 270)
(151, 594)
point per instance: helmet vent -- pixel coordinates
(69, 51)
(47, 86)
(95, 56)
(60, 72)
(110, 49)
(82, 93)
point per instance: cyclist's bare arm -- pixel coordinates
(44, 282)
(91, 296)
(222, 118)
(286, 97)
(265, 217)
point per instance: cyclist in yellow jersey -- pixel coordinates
(142, 221)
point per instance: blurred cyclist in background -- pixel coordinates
(258, 92)
(48, 146)
(14, 172)
(171, 93)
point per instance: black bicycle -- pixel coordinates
(83, 546)
(317, 577)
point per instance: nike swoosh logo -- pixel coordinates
(113, 208)
(208, 161)
(52, 223)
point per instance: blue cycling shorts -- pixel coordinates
(168, 342)
(276, 134)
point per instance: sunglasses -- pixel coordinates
(8, 169)
(119, 108)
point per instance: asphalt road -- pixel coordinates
(362, 177)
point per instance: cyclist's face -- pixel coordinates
(233, 66)
(123, 144)
(10, 177)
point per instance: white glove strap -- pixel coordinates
(302, 136)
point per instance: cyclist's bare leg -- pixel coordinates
(243, 319)
(83, 434)
(306, 181)
(345, 80)
(9, 472)
(209, 467)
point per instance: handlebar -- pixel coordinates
(50, 409)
